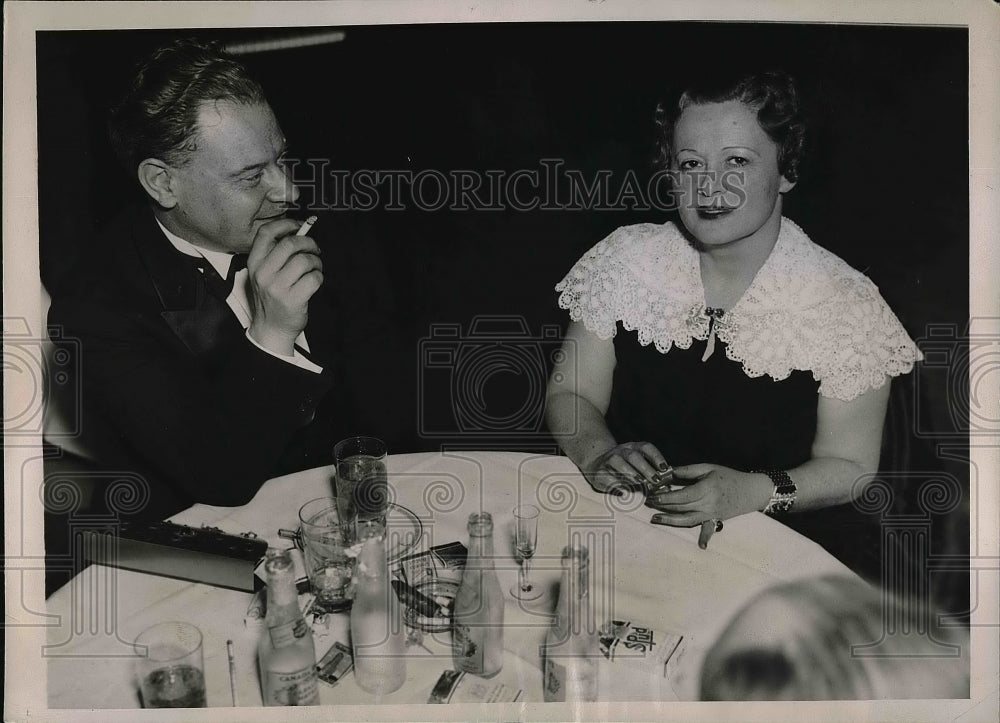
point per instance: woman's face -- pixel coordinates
(730, 186)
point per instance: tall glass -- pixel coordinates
(362, 483)
(328, 565)
(171, 666)
(525, 539)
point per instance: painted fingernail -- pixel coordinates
(616, 491)
(663, 466)
(639, 478)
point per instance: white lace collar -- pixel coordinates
(805, 310)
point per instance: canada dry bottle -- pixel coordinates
(569, 655)
(286, 652)
(376, 624)
(477, 631)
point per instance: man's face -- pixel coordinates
(234, 180)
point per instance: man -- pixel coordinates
(207, 378)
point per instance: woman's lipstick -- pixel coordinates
(714, 212)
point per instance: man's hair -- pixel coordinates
(157, 117)
(772, 94)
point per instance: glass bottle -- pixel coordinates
(477, 621)
(569, 654)
(376, 623)
(286, 653)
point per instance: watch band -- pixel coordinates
(783, 496)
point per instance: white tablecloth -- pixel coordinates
(650, 574)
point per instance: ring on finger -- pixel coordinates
(718, 524)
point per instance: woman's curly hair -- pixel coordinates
(772, 94)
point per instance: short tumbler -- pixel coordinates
(329, 567)
(171, 668)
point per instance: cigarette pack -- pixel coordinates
(630, 643)
(456, 687)
(444, 562)
(335, 664)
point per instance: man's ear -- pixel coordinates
(157, 178)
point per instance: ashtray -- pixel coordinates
(442, 592)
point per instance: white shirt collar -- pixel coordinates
(237, 299)
(219, 260)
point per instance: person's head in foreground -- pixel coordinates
(827, 639)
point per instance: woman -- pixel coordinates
(729, 345)
(839, 639)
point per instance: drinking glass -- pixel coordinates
(362, 484)
(525, 539)
(171, 667)
(329, 567)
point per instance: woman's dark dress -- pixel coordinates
(808, 326)
(711, 411)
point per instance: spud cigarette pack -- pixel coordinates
(654, 651)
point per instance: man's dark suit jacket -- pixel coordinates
(174, 391)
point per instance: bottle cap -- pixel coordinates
(278, 562)
(480, 524)
(577, 552)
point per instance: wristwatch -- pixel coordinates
(783, 496)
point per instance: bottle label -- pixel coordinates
(287, 633)
(298, 688)
(574, 680)
(468, 651)
(555, 681)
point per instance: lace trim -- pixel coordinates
(805, 310)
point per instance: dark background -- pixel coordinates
(885, 184)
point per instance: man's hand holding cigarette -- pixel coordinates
(285, 271)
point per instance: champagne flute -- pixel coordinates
(525, 539)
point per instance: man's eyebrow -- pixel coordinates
(259, 164)
(248, 168)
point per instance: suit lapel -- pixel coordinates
(201, 321)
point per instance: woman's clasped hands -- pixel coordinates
(687, 496)
(710, 493)
(630, 465)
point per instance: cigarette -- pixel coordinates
(304, 229)
(232, 670)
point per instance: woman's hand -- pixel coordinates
(711, 493)
(628, 465)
